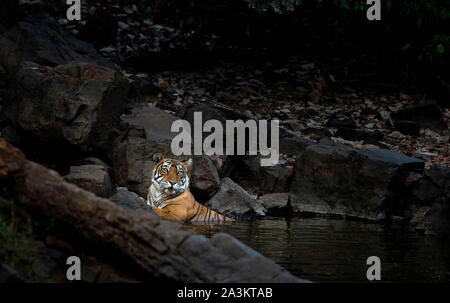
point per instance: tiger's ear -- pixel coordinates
(188, 163)
(157, 157)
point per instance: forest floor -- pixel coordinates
(303, 94)
(307, 101)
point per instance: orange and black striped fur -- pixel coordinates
(170, 198)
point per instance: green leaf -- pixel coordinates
(406, 47)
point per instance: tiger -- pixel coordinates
(170, 197)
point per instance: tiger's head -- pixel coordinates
(171, 175)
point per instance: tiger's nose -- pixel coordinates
(172, 183)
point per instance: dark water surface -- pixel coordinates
(326, 250)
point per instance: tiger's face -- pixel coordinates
(171, 175)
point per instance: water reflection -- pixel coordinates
(327, 250)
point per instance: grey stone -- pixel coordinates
(427, 114)
(292, 144)
(433, 191)
(204, 178)
(93, 178)
(96, 161)
(9, 274)
(75, 103)
(257, 179)
(131, 200)
(331, 179)
(276, 203)
(232, 200)
(11, 135)
(49, 265)
(145, 132)
(39, 38)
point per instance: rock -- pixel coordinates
(411, 128)
(255, 178)
(221, 113)
(292, 144)
(331, 179)
(277, 204)
(384, 115)
(204, 178)
(143, 90)
(440, 176)
(11, 159)
(96, 161)
(100, 28)
(154, 122)
(76, 103)
(149, 248)
(339, 123)
(434, 220)
(232, 200)
(93, 178)
(11, 135)
(145, 132)
(208, 112)
(435, 183)
(49, 265)
(346, 129)
(428, 115)
(426, 191)
(418, 219)
(10, 275)
(369, 137)
(293, 125)
(40, 39)
(433, 191)
(128, 199)
(438, 218)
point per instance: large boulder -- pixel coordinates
(75, 103)
(11, 160)
(427, 115)
(221, 113)
(93, 178)
(40, 39)
(204, 178)
(10, 275)
(145, 133)
(258, 179)
(232, 200)
(131, 200)
(277, 204)
(148, 247)
(331, 179)
(433, 192)
(293, 144)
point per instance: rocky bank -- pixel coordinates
(68, 107)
